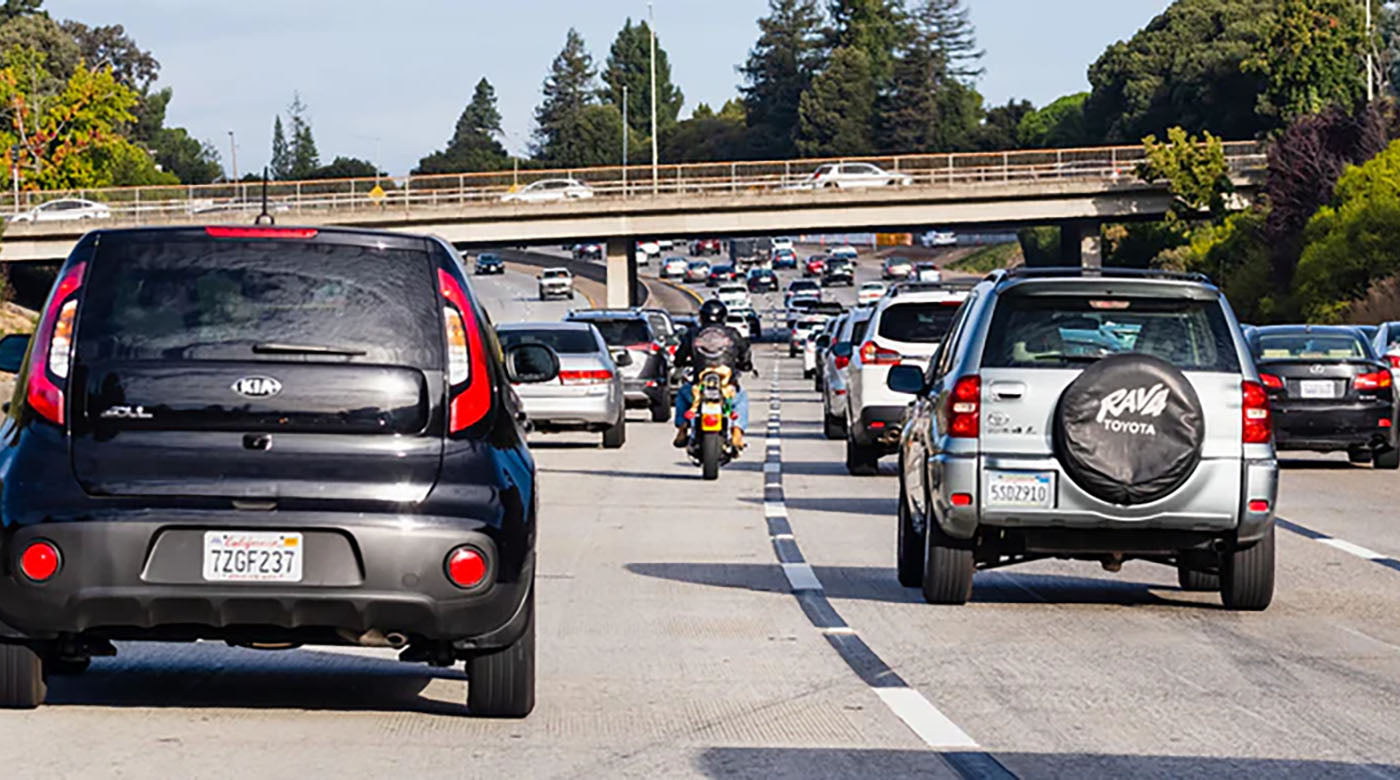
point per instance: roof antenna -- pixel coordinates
(265, 215)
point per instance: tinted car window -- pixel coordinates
(1053, 331)
(1310, 346)
(198, 299)
(920, 323)
(565, 341)
(623, 333)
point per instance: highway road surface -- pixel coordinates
(754, 628)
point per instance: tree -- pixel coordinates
(110, 46)
(1309, 58)
(15, 8)
(347, 168)
(923, 108)
(1196, 172)
(1058, 125)
(1000, 124)
(281, 163)
(39, 32)
(835, 114)
(779, 69)
(568, 90)
(473, 146)
(302, 155)
(188, 159)
(629, 64)
(876, 27)
(949, 24)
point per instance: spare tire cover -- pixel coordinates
(1129, 429)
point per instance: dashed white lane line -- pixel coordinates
(801, 577)
(924, 719)
(1354, 549)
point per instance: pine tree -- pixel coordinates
(303, 157)
(281, 153)
(473, 145)
(568, 90)
(481, 117)
(836, 113)
(629, 63)
(948, 25)
(779, 69)
(876, 27)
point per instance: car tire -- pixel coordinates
(909, 545)
(1387, 458)
(710, 449)
(571, 295)
(792, 353)
(861, 460)
(501, 683)
(1359, 455)
(614, 436)
(833, 427)
(1247, 575)
(808, 374)
(1196, 581)
(660, 411)
(948, 568)
(22, 684)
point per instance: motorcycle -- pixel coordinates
(711, 416)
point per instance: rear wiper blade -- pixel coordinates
(280, 348)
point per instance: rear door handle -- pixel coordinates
(1009, 389)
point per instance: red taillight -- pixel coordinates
(1270, 381)
(965, 408)
(872, 354)
(1258, 505)
(1258, 420)
(1378, 380)
(593, 377)
(961, 499)
(1384, 422)
(52, 353)
(39, 561)
(1393, 360)
(259, 232)
(466, 567)
(842, 362)
(466, 357)
(877, 425)
(710, 422)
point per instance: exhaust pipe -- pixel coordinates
(1113, 563)
(375, 638)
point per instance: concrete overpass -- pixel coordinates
(1077, 189)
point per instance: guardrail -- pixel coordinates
(403, 193)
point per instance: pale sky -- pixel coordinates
(387, 81)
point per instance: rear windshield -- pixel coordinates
(565, 341)
(556, 274)
(1041, 331)
(623, 333)
(919, 323)
(203, 299)
(1309, 346)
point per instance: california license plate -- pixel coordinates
(1020, 489)
(252, 556)
(1317, 388)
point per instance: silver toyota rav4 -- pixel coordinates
(1090, 415)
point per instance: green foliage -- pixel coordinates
(15, 8)
(1058, 125)
(924, 108)
(875, 27)
(779, 69)
(1351, 244)
(948, 24)
(473, 146)
(629, 64)
(190, 160)
(1000, 124)
(1196, 172)
(568, 91)
(1040, 246)
(835, 114)
(1309, 58)
(347, 168)
(713, 138)
(302, 156)
(1143, 244)
(110, 46)
(61, 53)
(281, 164)
(1235, 254)
(122, 164)
(990, 258)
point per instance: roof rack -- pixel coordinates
(1091, 273)
(951, 285)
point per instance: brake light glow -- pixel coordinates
(466, 567)
(961, 499)
(259, 232)
(842, 361)
(51, 357)
(590, 377)
(1393, 360)
(965, 408)
(1378, 380)
(39, 561)
(469, 404)
(1258, 424)
(1258, 505)
(1270, 381)
(872, 354)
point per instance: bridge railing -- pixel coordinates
(214, 202)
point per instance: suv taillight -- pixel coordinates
(1258, 420)
(965, 408)
(872, 354)
(1393, 360)
(52, 354)
(1378, 380)
(469, 386)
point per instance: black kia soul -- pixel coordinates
(271, 437)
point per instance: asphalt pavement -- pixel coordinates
(753, 627)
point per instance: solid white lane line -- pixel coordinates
(1354, 549)
(839, 630)
(801, 577)
(774, 509)
(924, 719)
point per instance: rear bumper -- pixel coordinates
(142, 578)
(879, 426)
(1332, 428)
(644, 392)
(581, 409)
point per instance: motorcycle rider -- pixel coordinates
(719, 345)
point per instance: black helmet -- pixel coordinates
(713, 312)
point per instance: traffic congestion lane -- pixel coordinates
(1059, 668)
(1354, 505)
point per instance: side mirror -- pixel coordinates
(908, 380)
(842, 349)
(823, 341)
(12, 349)
(531, 363)
(622, 358)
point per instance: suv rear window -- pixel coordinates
(1056, 331)
(565, 341)
(621, 332)
(207, 299)
(918, 323)
(1310, 346)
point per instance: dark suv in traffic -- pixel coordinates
(270, 437)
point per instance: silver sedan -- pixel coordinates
(588, 394)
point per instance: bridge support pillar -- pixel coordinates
(622, 273)
(1081, 243)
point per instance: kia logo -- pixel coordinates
(257, 387)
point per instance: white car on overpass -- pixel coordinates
(548, 190)
(65, 210)
(852, 175)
